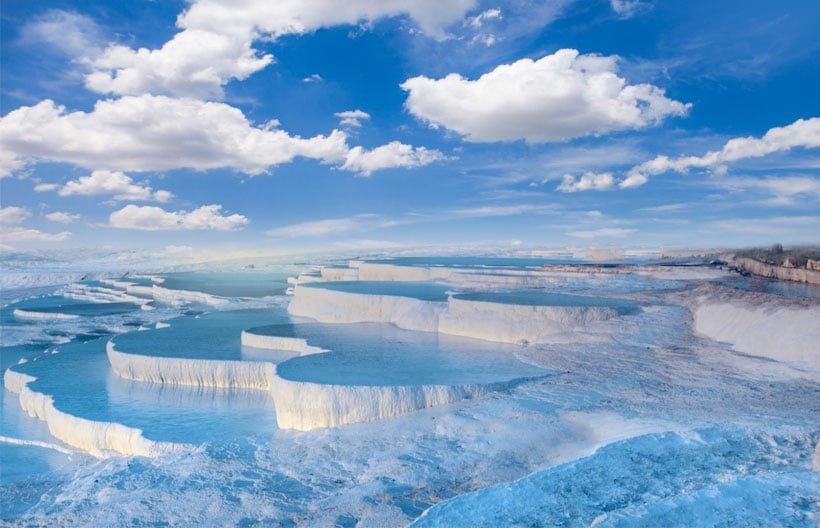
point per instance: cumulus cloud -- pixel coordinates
(62, 217)
(193, 63)
(11, 219)
(361, 222)
(352, 118)
(157, 133)
(558, 97)
(150, 133)
(590, 181)
(392, 155)
(803, 133)
(214, 45)
(274, 19)
(149, 218)
(102, 182)
(13, 215)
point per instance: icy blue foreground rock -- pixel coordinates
(714, 477)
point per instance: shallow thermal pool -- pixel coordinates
(248, 283)
(57, 305)
(378, 354)
(423, 291)
(79, 380)
(215, 335)
(542, 298)
(476, 262)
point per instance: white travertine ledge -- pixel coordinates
(95, 437)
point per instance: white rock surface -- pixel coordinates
(760, 324)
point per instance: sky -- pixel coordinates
(250, 125)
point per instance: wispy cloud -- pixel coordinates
(501, 210)
(630, 8)
(777, 190)
(803, 133)
(605, 232)
(68, 32)
(785, 227)
(332, 226)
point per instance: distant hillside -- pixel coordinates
(777, 255)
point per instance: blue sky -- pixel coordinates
(261, 126)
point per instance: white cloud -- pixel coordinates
(667, 208)
(274, 19)
(628, 8)
(71, 33)
(558, 97)
(149, 218)
(102, 182)
(784, 190)
(13, 215)
(588, 182)
(62, 218)
(391, 155)
(21, 234)
(501, 210)
(313, 78)
(782, 227)
(606, 232)
(157, 133)
(193, 63)
(11, 219)
(215, 44)
(362, 222)
(352, 118)
(803, 133)
(479, 20)
(9, 163)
